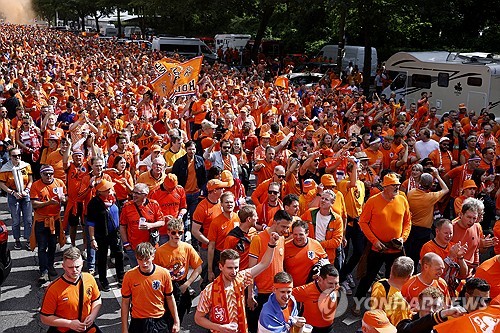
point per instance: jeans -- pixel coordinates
(417, 238)
(46, 245)
(90, 250)
(16, 206)
(4, 157)
(131, 257)
(192, 200)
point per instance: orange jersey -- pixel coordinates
(432, 246)
(130, 216)
(170, 203)
(121, 191)
(45, 192)
(258, 246)
(74, 180)
(62, 297)
(147, 291)
(177, 260)
(314, 299)
(414, 286)
(489, 270)
(220, 227)
(55, 159)
(299, 260)
(7, 177)
(472, 236)
(204, 214)
(240, 241)
(152, 182)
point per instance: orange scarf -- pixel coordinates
(220, 311)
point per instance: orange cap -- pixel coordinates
(391, 179)
(377, 319)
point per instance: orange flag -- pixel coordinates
(480, 321)
(281, 81)
(177, 79)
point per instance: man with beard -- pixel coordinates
(441, 158)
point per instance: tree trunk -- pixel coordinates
(119, 22)
(367, 28)
(264, 21)
(343, 15)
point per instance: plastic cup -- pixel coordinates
(233, 326)
(142, 222)
(307, 328)
(297, 323)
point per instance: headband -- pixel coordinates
(477, 158)
(47, 168)
(283, 285)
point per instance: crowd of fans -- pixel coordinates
(273, 195)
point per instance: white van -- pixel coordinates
(130, 31)
(356, 54)
(108, 31)
(187, 47)
(234, 41)
(453, 78)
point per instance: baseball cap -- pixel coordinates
(308, 184)
(170, 181)
(361, 155)
(104, 185)
(444, 138)
(214, 184)
(208, 124)
(377, 319)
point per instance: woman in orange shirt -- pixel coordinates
(124, 184)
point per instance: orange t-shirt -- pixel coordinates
(204, 214)
(220, 227)
(170, 203)
(74, 181)
(374, 156)
(414, 286)
(191, 182)
(432, 246)
(8, 178)
(177, 260)
(313, 299)
(55, 159)
(198, 107)
(129, 217)
(44, 192)
(48, 132)
(299, 260)
(258, 246)
(62, 297)
(148, 179)
(266, 213)
(121, 191)
(489, 270)
(240, 244)
(472, 236)
(147, 291)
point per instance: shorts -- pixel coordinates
(74, 220)
(148, 325)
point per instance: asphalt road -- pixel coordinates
(22, 296)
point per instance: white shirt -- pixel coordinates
(321, 226)
(425, 148)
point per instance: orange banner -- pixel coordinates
(281, 81)
(480, 321)
(177, 79)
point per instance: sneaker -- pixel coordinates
(346, 288)
(52, 271)
(68, 239)
(44, 277)
(351, 282)
(105, 288)
(28, 246)
(17, 245)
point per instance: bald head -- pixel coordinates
(426, 181)
(429, 258)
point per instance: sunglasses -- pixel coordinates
(48, 174)
(180, 233)
(226, 147)
(281, 176)
(16, 155)
(273, 192)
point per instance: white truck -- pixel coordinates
(354, 54)
(234, 41)
(453, 78)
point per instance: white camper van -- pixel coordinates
(109, 31)
(356, 54)
(130, 31)
(234, 41)
(187, 47)
(453, 78)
